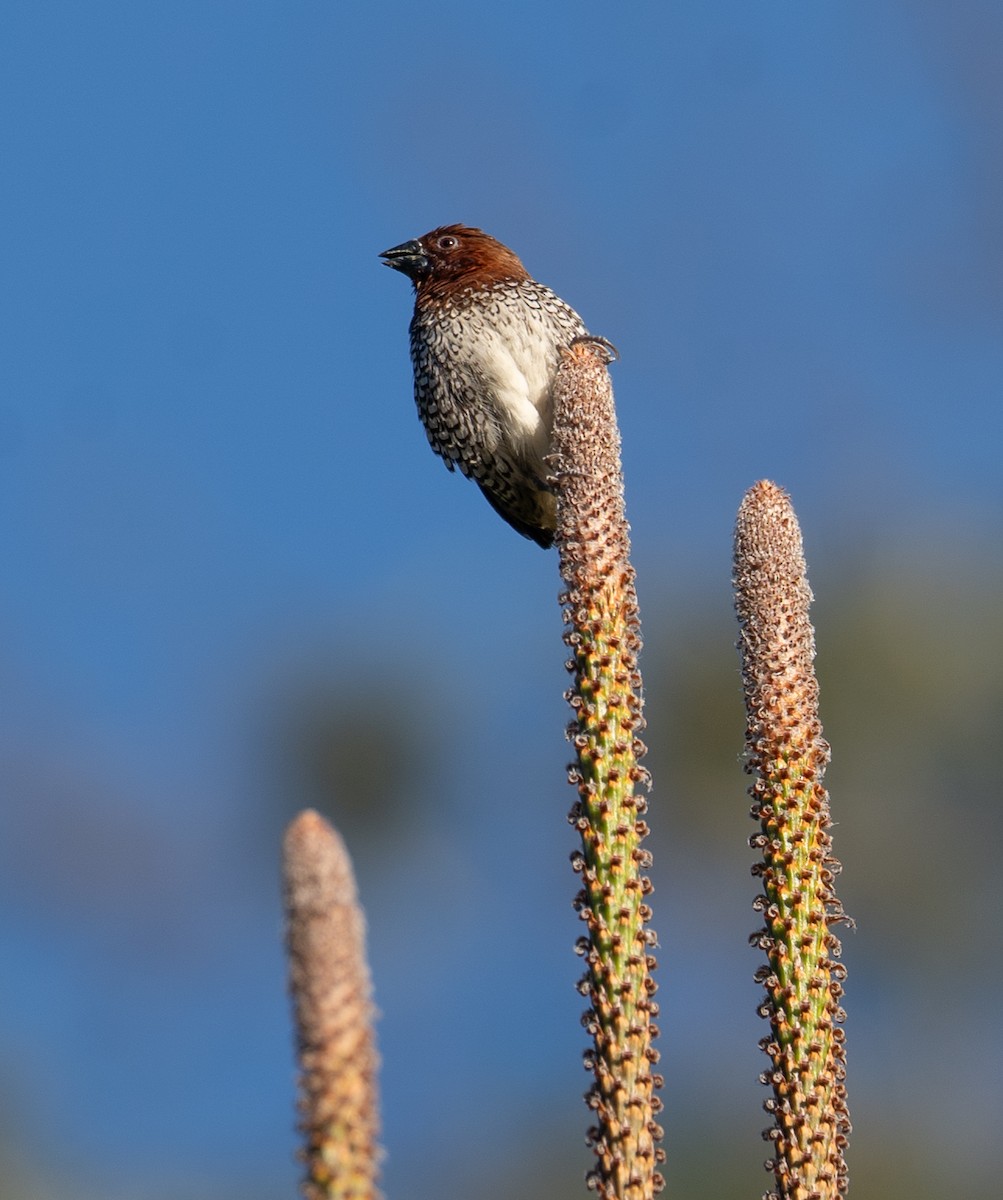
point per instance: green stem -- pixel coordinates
(600, 607)
(787, 754)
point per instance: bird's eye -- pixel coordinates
(448, 243)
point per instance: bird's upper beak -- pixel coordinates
(408, 258)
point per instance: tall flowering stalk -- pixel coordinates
(600, 609)
(331, 992)
(787, 754)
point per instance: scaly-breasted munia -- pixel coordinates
(485, 344)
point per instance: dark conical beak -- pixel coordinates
(408, 258)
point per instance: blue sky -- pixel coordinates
(213, 481)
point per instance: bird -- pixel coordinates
(486, 341)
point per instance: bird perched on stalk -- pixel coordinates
(485, 345)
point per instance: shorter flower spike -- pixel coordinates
(600, 610)
(787, 754)
(331, 993)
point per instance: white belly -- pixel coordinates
(517, 364)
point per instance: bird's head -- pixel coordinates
(454, 256)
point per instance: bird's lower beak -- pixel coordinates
(408, 258)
